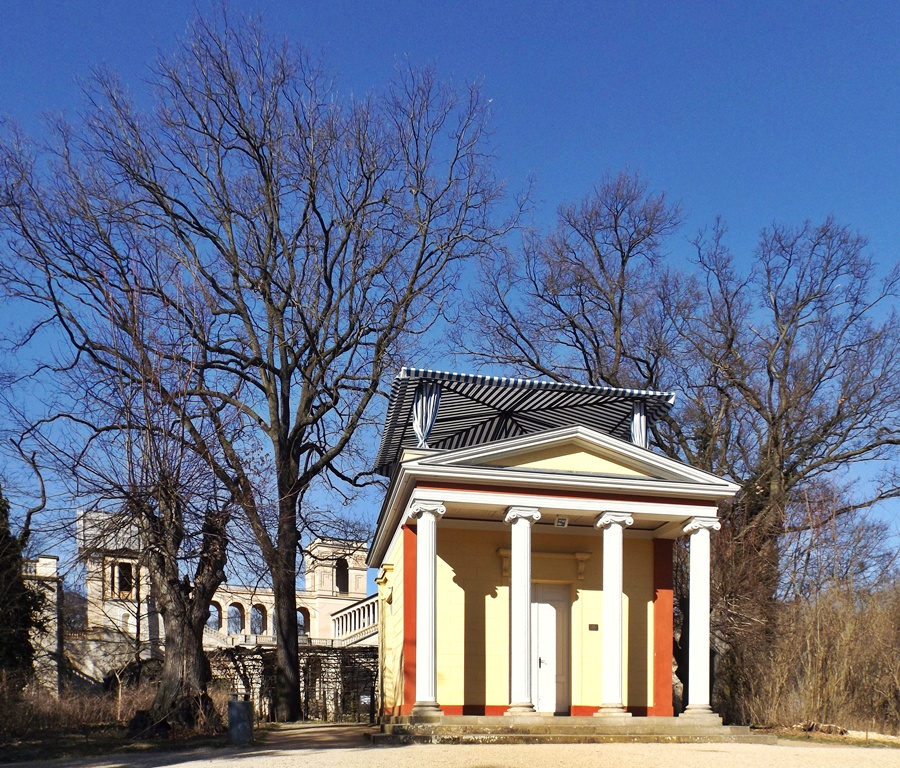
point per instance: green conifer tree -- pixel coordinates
(19, 608)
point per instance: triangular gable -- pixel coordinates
(577, 450)
(566, 457)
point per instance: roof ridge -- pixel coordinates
(411, 372)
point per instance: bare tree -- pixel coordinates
(582, 302)
(789, 372)
(130, 447)
(298, 239)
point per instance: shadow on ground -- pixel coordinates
(314, 736)
(272, 740)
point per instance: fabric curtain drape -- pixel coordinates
(639, 426)
(424, 410)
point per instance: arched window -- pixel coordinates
(258, 620)
(235, 619)
(302, 621)
(342, 576)
(214, 621)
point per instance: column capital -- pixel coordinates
(607, 519)
(702, 524)
(419, 508)
(531, 514)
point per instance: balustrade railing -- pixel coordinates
(356, 621)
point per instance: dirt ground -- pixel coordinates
(346, 747)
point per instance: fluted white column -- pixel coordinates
(611, 696)
(427, 514)
(698, 621)
(521, 701)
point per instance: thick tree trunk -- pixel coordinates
(281, 558)
(283, 565)
(181, 699)
(287, 666)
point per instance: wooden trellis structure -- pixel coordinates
(336, 684)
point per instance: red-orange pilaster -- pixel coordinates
(663, 606)
(409, 620)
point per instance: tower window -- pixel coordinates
(126, 581)
(342, 576)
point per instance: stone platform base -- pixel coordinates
(540, 729)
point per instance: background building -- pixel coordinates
(337, 622)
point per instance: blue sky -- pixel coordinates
(757, 112)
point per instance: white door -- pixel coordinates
(550, 647)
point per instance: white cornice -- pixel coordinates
(585, 506)
(669, 480)
(514, 488)
(576, 482)
(628, 454)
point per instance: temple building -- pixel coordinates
(525, 553)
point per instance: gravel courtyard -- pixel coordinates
(346, 747)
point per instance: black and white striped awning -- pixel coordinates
(474, 409)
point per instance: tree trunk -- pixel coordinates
(287, 666)
(181, 699)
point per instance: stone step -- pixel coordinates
(566, 729)
(563, 725)
(484, 737)
(541, 720)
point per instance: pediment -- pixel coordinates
(574, 451)
(566, 457)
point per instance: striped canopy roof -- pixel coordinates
(476, 409)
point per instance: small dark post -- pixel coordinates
(240, 720)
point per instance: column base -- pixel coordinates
(522, 708)
(701, 713)
(425, 712)
(612, 710)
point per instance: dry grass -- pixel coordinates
(37, 725)
(835, 658)
(36, 711)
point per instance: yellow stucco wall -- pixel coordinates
(473, 615)
(472, 618)
(637, 622)
(390, 593)
(587, 606)
(567, 458)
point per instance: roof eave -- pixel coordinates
(411, 473)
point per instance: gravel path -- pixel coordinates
(345, 747)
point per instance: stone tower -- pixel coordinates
(336, 577)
